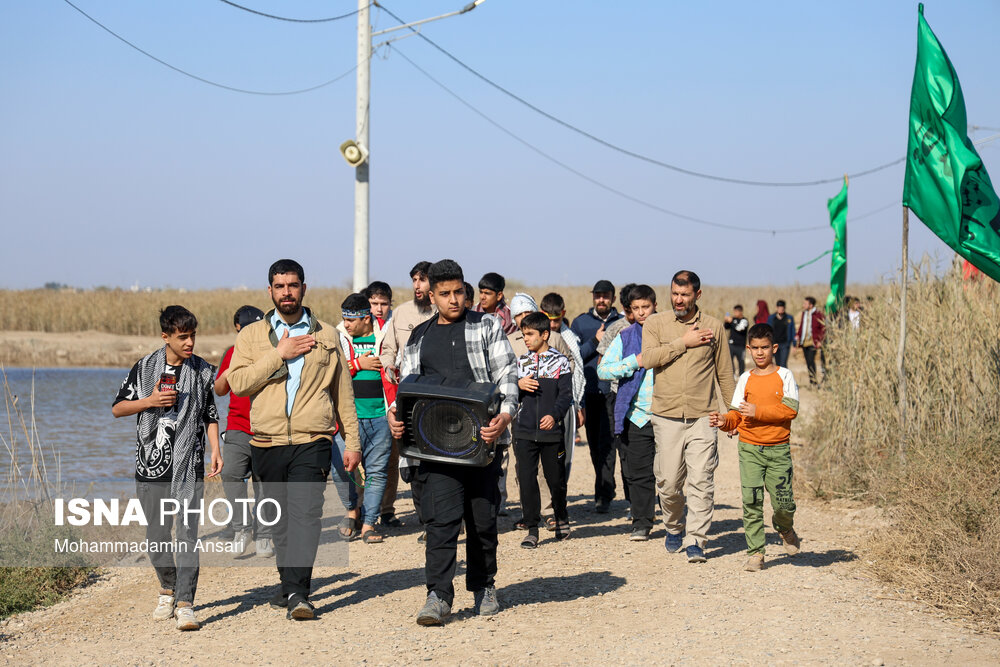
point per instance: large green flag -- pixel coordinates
(946, 184)
(838, 265)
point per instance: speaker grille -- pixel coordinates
(446, 427)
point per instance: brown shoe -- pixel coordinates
(791, 542)
(754, 563)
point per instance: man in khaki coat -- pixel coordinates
(688, 354)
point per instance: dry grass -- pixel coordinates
(944, 499)
(136, 313)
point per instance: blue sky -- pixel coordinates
(116, 170)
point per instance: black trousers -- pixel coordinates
(449, 495)
(181, 576)
(810, 354)
(641, 448)
(738, 353)
(602, 450)
(295, 477)
(553, 459)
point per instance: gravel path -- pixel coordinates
(595, 598)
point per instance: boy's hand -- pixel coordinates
(547, 423)
(396, 427)
(294, 346)
(351, 461)
(527, 384)
(392, 373)
(600, 333)
(216, 463)
(369, 362)
(748, 409)
(695, 337)
(162, 399)
(580, 416)
(497, 426)
(715, 419)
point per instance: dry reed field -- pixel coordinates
(942, 496)
(127, 313)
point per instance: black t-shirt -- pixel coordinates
(738, 331)
(158, 466)
(781, 327)
(443, 353)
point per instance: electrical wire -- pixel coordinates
(291, 20)
(624, 151)
(203, 80)
(593, 181)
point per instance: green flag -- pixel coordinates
(838, 264)
(946, 184)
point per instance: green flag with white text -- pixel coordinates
(946, 184)
(838, 264)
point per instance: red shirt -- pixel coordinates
(239, 406)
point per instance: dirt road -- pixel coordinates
(595, 598)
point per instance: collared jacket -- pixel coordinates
(818, 326)
(324, 403)
(585, 327)
(685, 378)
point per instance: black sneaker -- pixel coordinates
(390, 521)
(300, 608)
(279, 601)
(602, 506)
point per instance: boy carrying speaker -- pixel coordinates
(546, 392)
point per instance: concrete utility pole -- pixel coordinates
(361, 194)
(357, 154)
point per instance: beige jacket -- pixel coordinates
(684, 380)
(404, 319)
(324, 402)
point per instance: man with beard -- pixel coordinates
(460, 346)
(405, 318)
(291, 366)
(686, 351)
(589, 329)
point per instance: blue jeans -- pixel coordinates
(376, 444)
(781, 358)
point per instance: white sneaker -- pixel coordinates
(241, 541)
(186, 619)
(164, 608)
(265, 548)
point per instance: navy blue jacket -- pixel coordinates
(585, 327)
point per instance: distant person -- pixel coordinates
(854, 313)
(470, 295)
(380, 301)
(633, 401)
(783, 326)
(546, 394)
(686, 352)
(360, 345)
(812, 331)
(170, 392)
(460, 346)
(290, 366)
(762, 312)
(236, 439)
(554, 307)
(589, 328)
(737, 326)
(765, 402)
(491, 300)
(405, 318)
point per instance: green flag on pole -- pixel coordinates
(838, 264)
(946, 184)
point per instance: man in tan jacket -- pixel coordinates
(688, 353)
(291, 366)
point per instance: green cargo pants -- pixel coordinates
(765, 468)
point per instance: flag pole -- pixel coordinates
(900, 356)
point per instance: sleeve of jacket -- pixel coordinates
(612, 366)
(656, 351)
(565, 398)
(248, 375)
(579, 382)
(343, 401)
(503, 364)
(819, 326)
(588, 347)
(389, 346)
(723, 366)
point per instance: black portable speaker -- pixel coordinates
(443, 419)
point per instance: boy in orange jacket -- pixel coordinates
(763, 407)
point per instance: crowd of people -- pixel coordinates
(309, 399)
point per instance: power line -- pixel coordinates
(203, 80)
(291, 20)
(593, 181)
(624, 151)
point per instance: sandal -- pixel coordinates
(550, 523)
(371, 537)
(520, 525)
(349, 528)
(562, 530)
(529, 542)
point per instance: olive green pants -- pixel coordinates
(765, 468)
